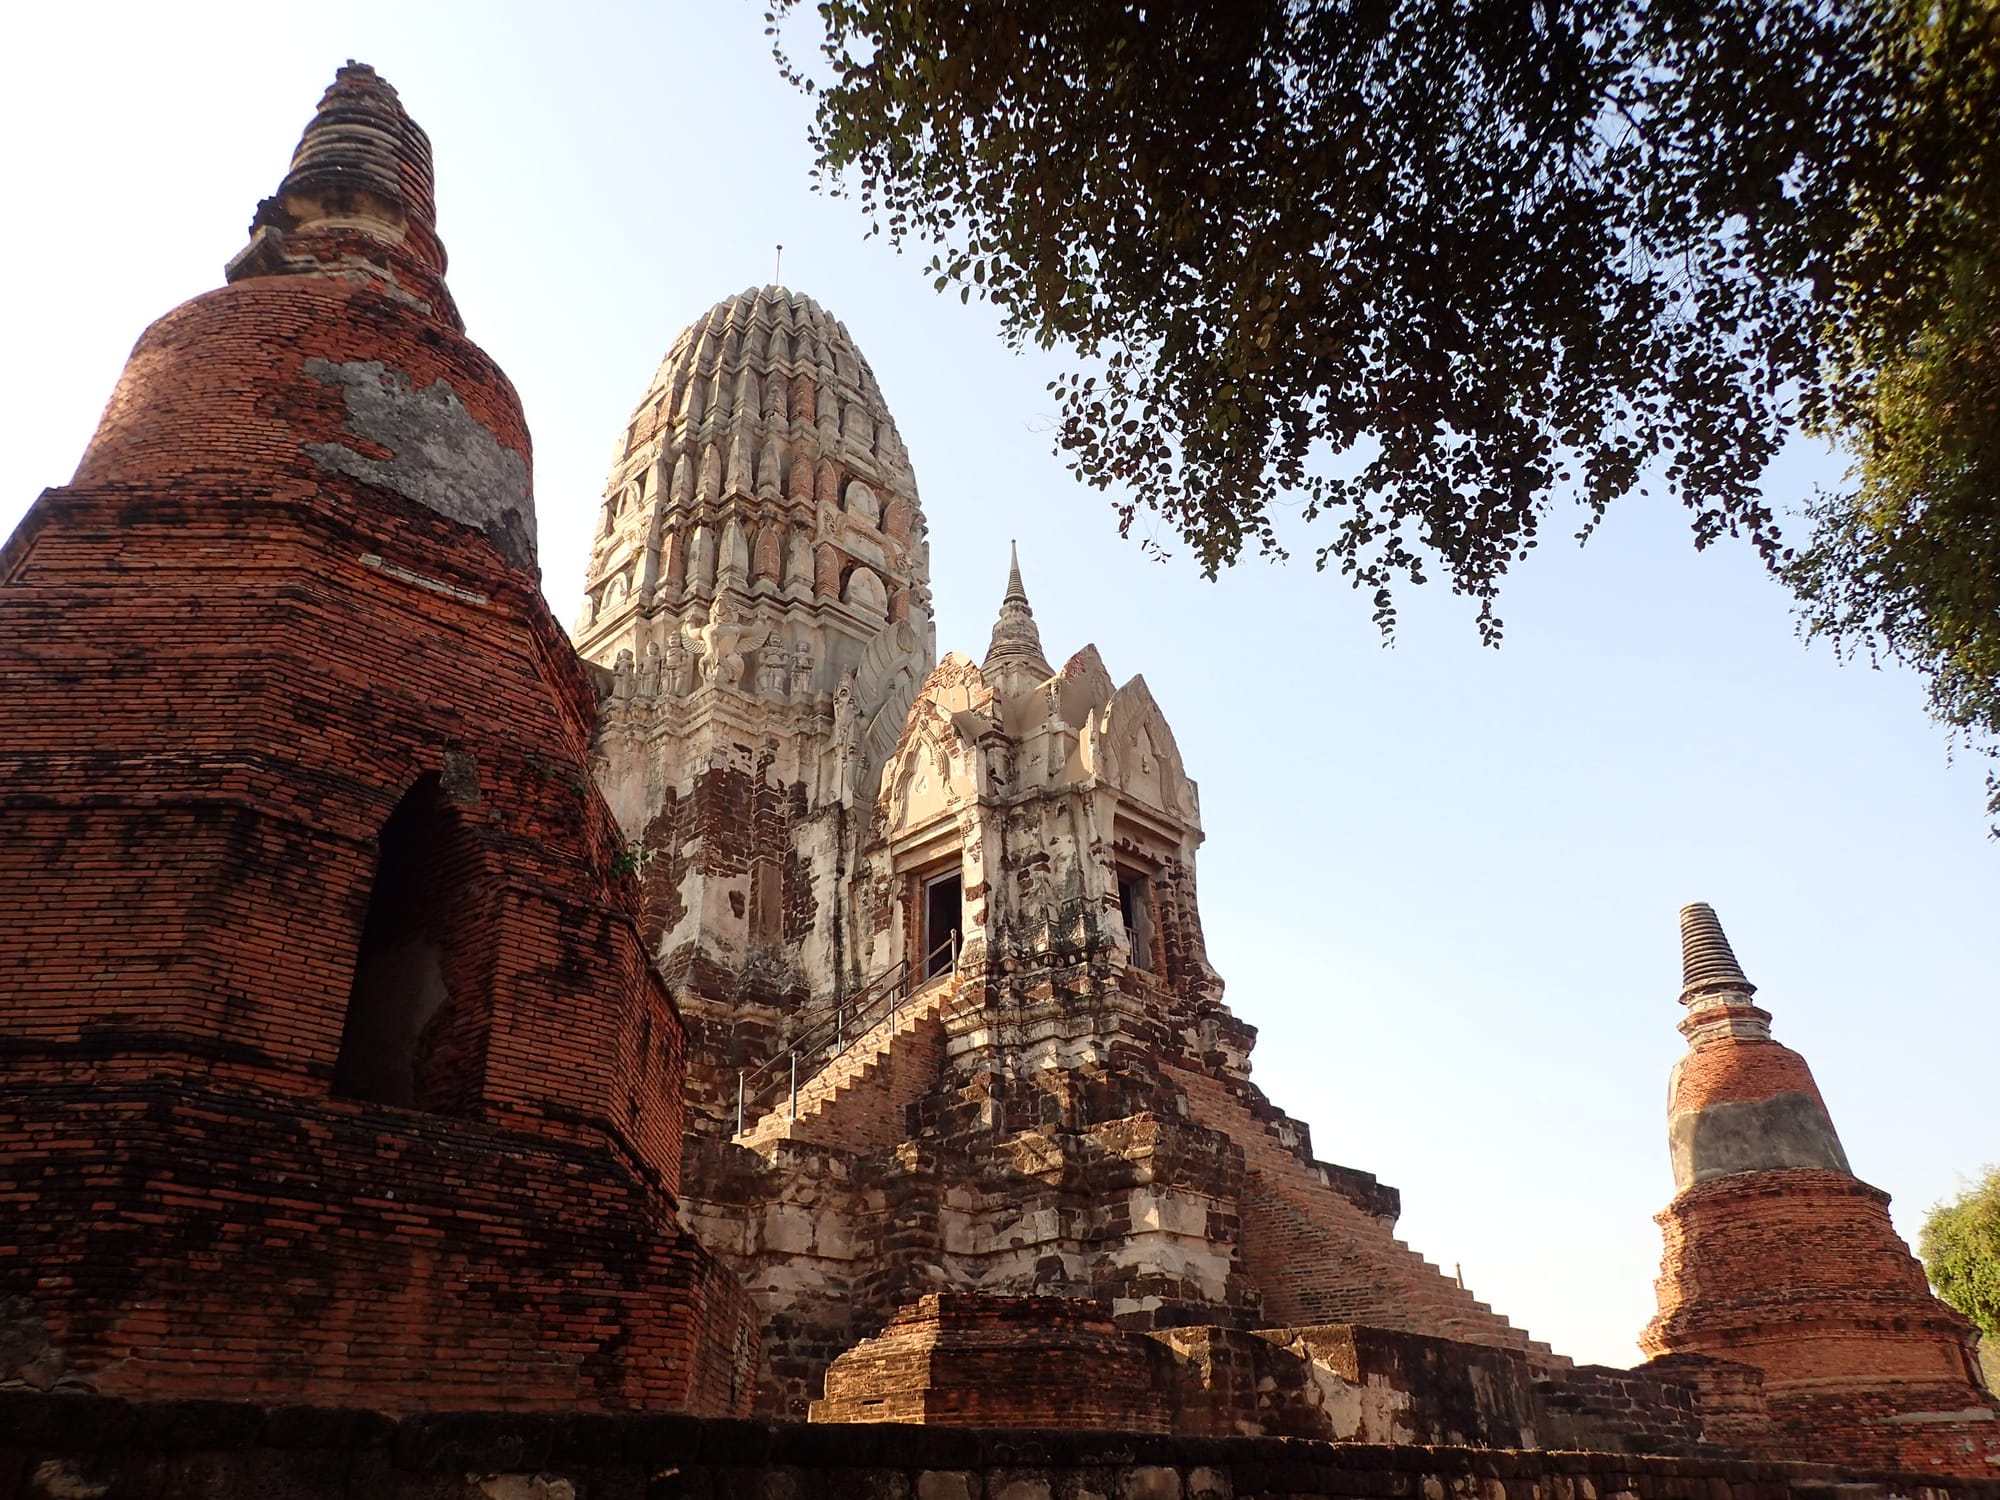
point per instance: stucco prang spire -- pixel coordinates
(1014, 660)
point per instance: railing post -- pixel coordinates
(739, 1101)
(795, 1085)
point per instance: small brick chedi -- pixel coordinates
(335, 1068)
(743, 1010)
(1777, 1256)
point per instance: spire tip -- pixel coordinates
(1707, 960)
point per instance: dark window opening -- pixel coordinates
(944, 914)
(404, 1042)
(1135, 905)
(767, 889)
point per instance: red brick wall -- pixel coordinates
(958, 1359)
(1801, 1274)
(216, 386)
(1730, 1070)
(221, 668)
(246, 1452)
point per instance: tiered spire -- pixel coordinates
(1714, 988)
(358, 200)
(1740, 1102)
(1708, 963)
(1778, 1257)
(1015, 653)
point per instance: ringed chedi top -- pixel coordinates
(335, 348)
(1739, 1101)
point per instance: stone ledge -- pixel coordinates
(74, 1445)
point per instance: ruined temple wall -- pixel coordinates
(334, 1062)
(54, 1446)
(223, 1245)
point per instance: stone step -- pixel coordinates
(855, 1101)
(1337, 1263)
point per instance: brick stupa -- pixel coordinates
(1778, 1257)
(335, 1068)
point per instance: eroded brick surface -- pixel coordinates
(1779, 1258)
(227, 665)
(67, 1446)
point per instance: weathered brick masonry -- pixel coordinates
(1779, 1257)
(1069, 1113)
(53, 1448)
(335, 1065)
(971, 1361)
(359, 936)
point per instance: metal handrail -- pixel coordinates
(853, 1018)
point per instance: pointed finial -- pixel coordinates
(1014, 589)
(778, 268)
(1015, 653)
(1707, 961)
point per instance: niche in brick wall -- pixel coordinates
(767, 908)
(414, 1034)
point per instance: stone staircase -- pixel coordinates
(1321, 1259)
(856, 1101)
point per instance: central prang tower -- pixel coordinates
(932, 925)
(759, 594)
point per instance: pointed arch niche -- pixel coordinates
(415, 1030)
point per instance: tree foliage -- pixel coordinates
(1960, 1246)
(1907, 561)
(1434, 271)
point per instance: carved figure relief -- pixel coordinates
(846, 735)
(772, 667)
(676, 666)
(722, 663)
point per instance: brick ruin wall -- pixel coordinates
(237, 664)
(739, 827)
(1802, 1273)
(64, 1447)
(1111, 1171)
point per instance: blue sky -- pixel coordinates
(1442, 880)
